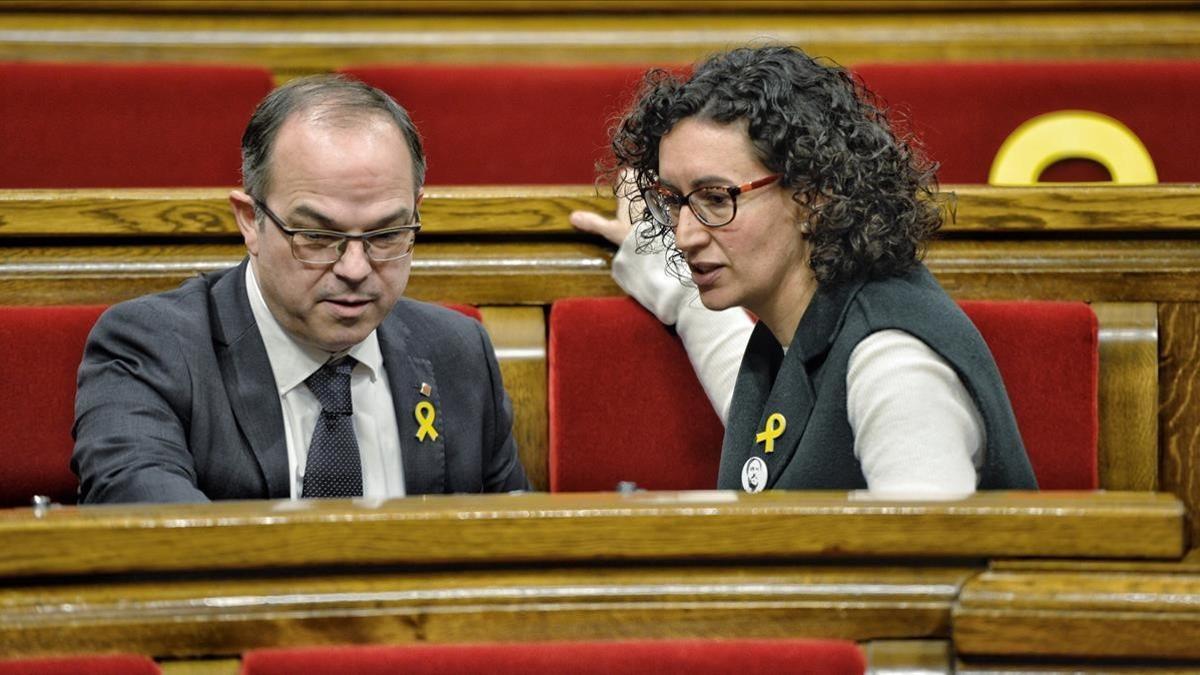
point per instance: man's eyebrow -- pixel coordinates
(402, 214)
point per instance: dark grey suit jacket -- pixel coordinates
(177, 402)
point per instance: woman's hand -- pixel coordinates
(615, 229)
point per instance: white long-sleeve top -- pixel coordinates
(916, 429)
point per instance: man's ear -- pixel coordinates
(243, 213)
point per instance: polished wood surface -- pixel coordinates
(539, 272)
(1128, 395)
(571, 6)
(519, 338)
(180, 618)
(909, 657)
(1094, 614)
(1179, 401)
(318, 41)
(531, 210)
(587, 527)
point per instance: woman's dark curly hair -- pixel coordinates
(871, 197)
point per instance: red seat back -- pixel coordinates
(510, 124)
(964, 111)
(41, 348)
(105, 125)
(668, 657)
(1048, 354)
(626, 405)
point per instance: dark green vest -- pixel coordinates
(808, 386)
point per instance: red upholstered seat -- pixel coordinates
(93, 664)
(1049, 356)
(510, 124)
(41, 348)
(626, 405)
(104, 125)
(964, 111)
(665, 657)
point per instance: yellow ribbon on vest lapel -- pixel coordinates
(425, 414)
(774, 429)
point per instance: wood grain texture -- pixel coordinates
(517, 211)
(909, 657)
(519, 336)
(576, 6)
(303, 43)
(500, 272)
(181, 618)
(1094, 614)
(1179, 396)
(1188, 564)
(1128, 396)
(994, 666)
(591, 527)
(480, 273)
(201, 666)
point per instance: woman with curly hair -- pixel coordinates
(774, 183)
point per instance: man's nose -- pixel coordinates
(354, 265)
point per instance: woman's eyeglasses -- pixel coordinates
(713, 205)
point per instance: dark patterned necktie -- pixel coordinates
(334, 468)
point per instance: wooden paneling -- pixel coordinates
(527, 210)
(909, 657)
(498, 272)
(1179, 396)
(180, 618)
(1128, 405)
(587, 527)
(201, 666)
(519, 336)
(302, 43)
(576, 6)
(1074, 614)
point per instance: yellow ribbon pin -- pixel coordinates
(775, 426)
(425, 415)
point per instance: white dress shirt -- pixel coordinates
(374, 413)
(916, 429)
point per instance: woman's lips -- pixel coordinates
(705, 274)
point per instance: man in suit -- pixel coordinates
(301, 372)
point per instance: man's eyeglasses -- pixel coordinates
(714, 206)
(325, 247)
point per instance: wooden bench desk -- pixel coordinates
(215, 580)
(297, 38)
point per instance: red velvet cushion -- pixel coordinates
(109, 664)
(510, 124)
(40, 351)
(625, 404)
(1048, 354)
(681, 657)
(964, 111)
(79, 126)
